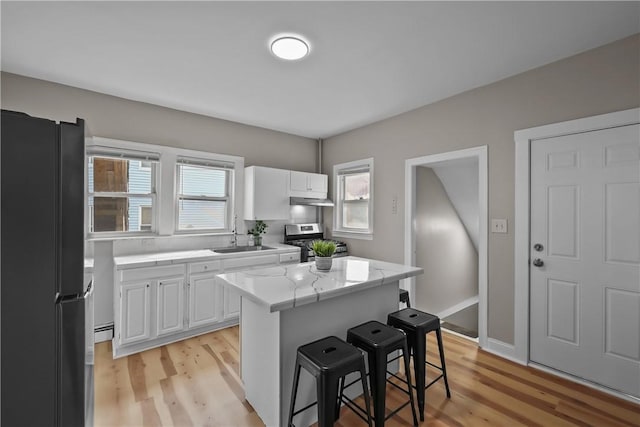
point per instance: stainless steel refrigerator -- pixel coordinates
(47, 364)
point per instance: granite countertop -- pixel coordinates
(179, 257)
(287, 286)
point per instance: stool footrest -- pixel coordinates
(359, 411)
(305, 408)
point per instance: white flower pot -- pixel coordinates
(323, 263)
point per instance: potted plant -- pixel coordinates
(259, 228)
(324, 250)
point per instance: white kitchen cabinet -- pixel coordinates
(159, 304)
(170, 306)
(305, 184)
(134, 312)
(266, 193)
(203, 299)
(231, 304)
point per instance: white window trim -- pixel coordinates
(140, 217)
(338, 230)
(164, 217)
(102, 147)
(228, 198)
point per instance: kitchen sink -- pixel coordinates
(236, 249)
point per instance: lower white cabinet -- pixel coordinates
(134, 312)
(231, 304)
(203, 299)
(162, 304)
(170, 306)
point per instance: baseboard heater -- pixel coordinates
(104, 333)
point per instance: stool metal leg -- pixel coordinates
(365, 390)
(377, 373)
(407, 370)
(294, 392)
(419, 358)
(444, 368)
(327, 389)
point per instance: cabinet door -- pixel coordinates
(170, 308)
(299, 181)
(317, 182)
(231, 306)
(134, 312)
(203, 300)
(266, 193)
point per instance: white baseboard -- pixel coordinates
(581, 381)
(504, 350)
(458, 307)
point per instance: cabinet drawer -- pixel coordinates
(204, 267)
(251, 261)
(151, 272)
(293, 257)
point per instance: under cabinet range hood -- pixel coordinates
(308, 201)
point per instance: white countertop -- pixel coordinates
(179, 257)
(88, 265)
(287, 286)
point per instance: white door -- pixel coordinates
(170, 308)
(203, 300)
(585, 252)
(134, 312)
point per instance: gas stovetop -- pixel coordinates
(303, 235)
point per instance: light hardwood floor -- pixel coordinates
(196, 382)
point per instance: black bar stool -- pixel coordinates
(378, 340)
(329, 360)
(404, 297)
(417, 324)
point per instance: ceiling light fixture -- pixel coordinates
(290, 48)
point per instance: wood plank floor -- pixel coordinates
(196, 382)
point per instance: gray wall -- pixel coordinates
(443, 248)
(598, 81)
(112, 117)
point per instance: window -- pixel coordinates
(203, 195)
(353, 213)
(139, 190)
(121, 191)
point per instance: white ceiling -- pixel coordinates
(368, 61)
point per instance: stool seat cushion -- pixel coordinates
(330, 352)
(412, 319)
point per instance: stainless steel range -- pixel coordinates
(303, 235)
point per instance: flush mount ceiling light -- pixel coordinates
(290, 48)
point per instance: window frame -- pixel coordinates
(339, 172)
(130, 155)
(227, 167)
(165, 215)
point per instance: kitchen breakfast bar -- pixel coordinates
(285, 307)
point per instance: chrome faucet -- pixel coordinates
(234, 230)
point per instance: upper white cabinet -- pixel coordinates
(266, 193)
(305, 184)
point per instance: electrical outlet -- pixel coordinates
(394, 204)
(498, 225)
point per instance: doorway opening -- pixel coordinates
(446, 234)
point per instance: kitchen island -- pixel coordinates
(287, 306)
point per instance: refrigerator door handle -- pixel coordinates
(89, 290)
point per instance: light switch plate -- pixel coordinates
(498, 225)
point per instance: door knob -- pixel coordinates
(538, 262)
